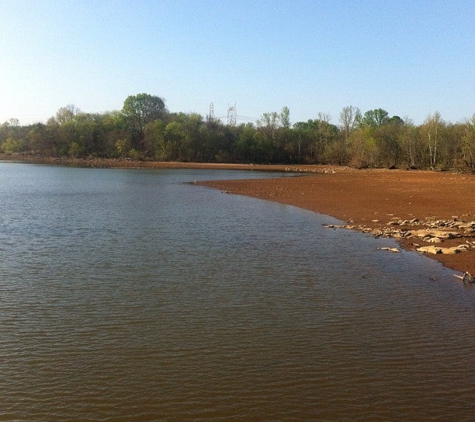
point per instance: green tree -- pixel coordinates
(375, 118)
(325, 134)
(268, 127)
(114, 128)
(314, 138)
(244, 143)
(389, 152)
(11, 145)
(285, 117)
(468, 144)
(363, 147)
(410, 144)
(139, 110)
(217, 141)
(154, 141)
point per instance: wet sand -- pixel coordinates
(376, 199)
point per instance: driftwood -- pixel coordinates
(466, 278)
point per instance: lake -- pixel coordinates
(135, 295)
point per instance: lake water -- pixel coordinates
(133, 295)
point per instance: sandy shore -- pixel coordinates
(138, 164)
(383, 202)
(400, 204)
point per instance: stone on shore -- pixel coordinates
(446, 251)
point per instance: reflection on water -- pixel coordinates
(132, 296)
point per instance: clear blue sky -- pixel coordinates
(410, 58)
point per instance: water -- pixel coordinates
(131, 295)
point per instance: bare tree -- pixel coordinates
(349, 116)
(431, 130)
(65, 114)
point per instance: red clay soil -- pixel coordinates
(375, 197)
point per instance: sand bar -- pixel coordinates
(365, 199)
(379, 200)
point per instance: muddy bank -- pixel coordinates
(385, 201)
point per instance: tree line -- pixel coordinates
(144, 129)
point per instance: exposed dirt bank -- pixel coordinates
(418, 208)
(407, 205)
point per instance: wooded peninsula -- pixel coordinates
(145, 130)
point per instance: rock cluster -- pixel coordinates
(427, 231)
(325, 170)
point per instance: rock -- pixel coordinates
(441, 234)
(430, 249)
(395, 250)
(446, 251)
(467, 226)
(335, 226)
(451, 251)
(433, 240)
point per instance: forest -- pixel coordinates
(145, 130)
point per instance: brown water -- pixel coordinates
(132, 296)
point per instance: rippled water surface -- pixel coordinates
(131, 295)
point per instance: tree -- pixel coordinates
(325, 134)
(410, 144)
(468, 145)
(285, 117)
(154, 140)
(270, 122)
(363, 147)
(244, 143)
(141, 109)
(66, 114)
(389, 151)
(268, 126)
(375, 118)
(431, 131)
(395, 121)
(349, 117)
(11, 145)
(14, 122)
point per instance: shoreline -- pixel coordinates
(419, 209)
(427, 212)
(123, 163)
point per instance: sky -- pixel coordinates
(410, 58)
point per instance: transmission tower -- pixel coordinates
(232, 113)
(211, 112)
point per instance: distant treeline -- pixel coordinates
(144, 129)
